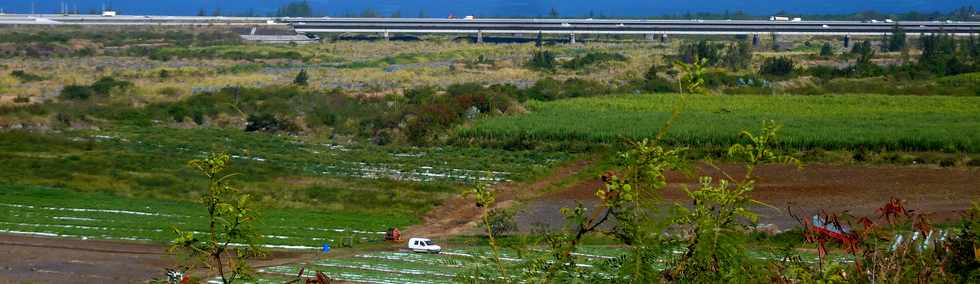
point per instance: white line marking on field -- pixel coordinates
(73, 218)
(89, 210)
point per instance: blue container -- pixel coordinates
(326, 248)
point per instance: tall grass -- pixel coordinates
(828, 122)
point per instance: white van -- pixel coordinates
(423, 245)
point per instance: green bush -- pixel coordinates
(652, 82)
(76, 93)
(302, 79)
(593, 58)
(106, 85)
(711, 52)
(551, 89)
(25, 77)
(777, 66)
(267, 122)
(826, 50)
(545, 90)
(542, 61)
(501, 221)
(420, 94)
(738, 56)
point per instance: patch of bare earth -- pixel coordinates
(942, 193)
(459, 215)
(26, 259)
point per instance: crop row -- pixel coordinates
(808, 122)
(57, 212)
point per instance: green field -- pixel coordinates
(281, 171)
(406, 267)
(828, 122)
(65, 213)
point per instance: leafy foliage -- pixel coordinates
(777, 66)
(104, 87)
(692, 80)
(542, 60)
(897, 40)
(826, 50)
(738, 56)
(231, 239)
(709, 52)
(25, 77)
(267, 122)
(302, 78)
(652, 82)
(593, 58)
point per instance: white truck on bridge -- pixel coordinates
(785, 19)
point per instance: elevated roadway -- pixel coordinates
(508, 26)
(641, 27)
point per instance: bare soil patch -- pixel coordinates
(942, 193)
(26, 259)
(459, 215)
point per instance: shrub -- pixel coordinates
(76, 93)
(777, 66)
(302, 79)
(825, 72)
(542, 61)
(25, 77)
(897, 40)
(169, 92)
(501, 221)
(106, 85)
(964, 263)
(545, 90)
(826, 50)
(22, 100)
(593, 58)
(421, 94)
(267, 122)
(324, 116)
(711, 52)
(262, 122)
(653, 83)
(864, 52)
(575, 87)
(738, 56)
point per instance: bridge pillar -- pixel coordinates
(572, 38)
(651, 37)
(386, 35)
(479, 37)
(755, 40)
(847, 41)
